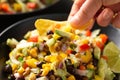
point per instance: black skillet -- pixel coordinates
(18, 30)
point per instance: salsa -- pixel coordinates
(59, 55)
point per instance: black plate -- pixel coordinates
(18, 30)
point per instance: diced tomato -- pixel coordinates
(104, 37)
(84, 47)
(25, 65)
(5, 7)
(104, 57)
(33, 39)
(100, 45)
(82, 67)
(69, 51)
(88, 33)
(31, 5)
(57, 26)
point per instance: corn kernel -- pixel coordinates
(55, 36)
(14, 66)
(17, 7)
(31, 62)
(76, 37)
(86, 58)
(32, 76)
(90, 66)
(45, 71)
(71, 77)
(85, 41)
(63, 55)
(51, 58)
(28, 57)
(21, 70)
(33, 52)
(46, 65)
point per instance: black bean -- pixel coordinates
(51, 72)
(49, 32)
(8, 69)
(43, 47)
(60, 38)
(95, 61)
(70, 69)
(52, 77)
(68, 62)
(39, 64)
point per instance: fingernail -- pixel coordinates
(107, 15)
(75, 22)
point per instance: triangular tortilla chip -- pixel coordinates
(43, 25)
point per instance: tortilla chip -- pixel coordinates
(43, 25)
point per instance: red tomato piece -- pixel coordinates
(88, 33)
(82, 67)
(100, 45)
(84, 47)
(69, 51)
(104, 37)
(33, 39)
(5, 7)
(31, 5)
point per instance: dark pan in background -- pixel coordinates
(60, 6)
(19, 29)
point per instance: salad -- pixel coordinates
(56, 51)
(21, 6)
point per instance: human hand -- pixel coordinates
(85, 10)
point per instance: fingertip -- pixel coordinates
(76, 24)
(105, 17)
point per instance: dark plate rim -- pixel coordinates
(29, 18)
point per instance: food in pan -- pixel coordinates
(56, 51)
(22, 6)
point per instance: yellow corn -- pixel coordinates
(51, 58)
(31, 62)
(33, 52)
(17, 7)
(63, 55)
(90, 66)
(45, 71)
(28, 57)
(71, 77)
(43, 53)
(32, 76)
(76, 37)
(85, 41)
(14, 66)
(55, 36)
(21, 70)
(46, 65)
(86, 58)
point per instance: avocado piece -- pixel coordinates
(63, 34)
(97, 52)
(104, 71)
(90, 73)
